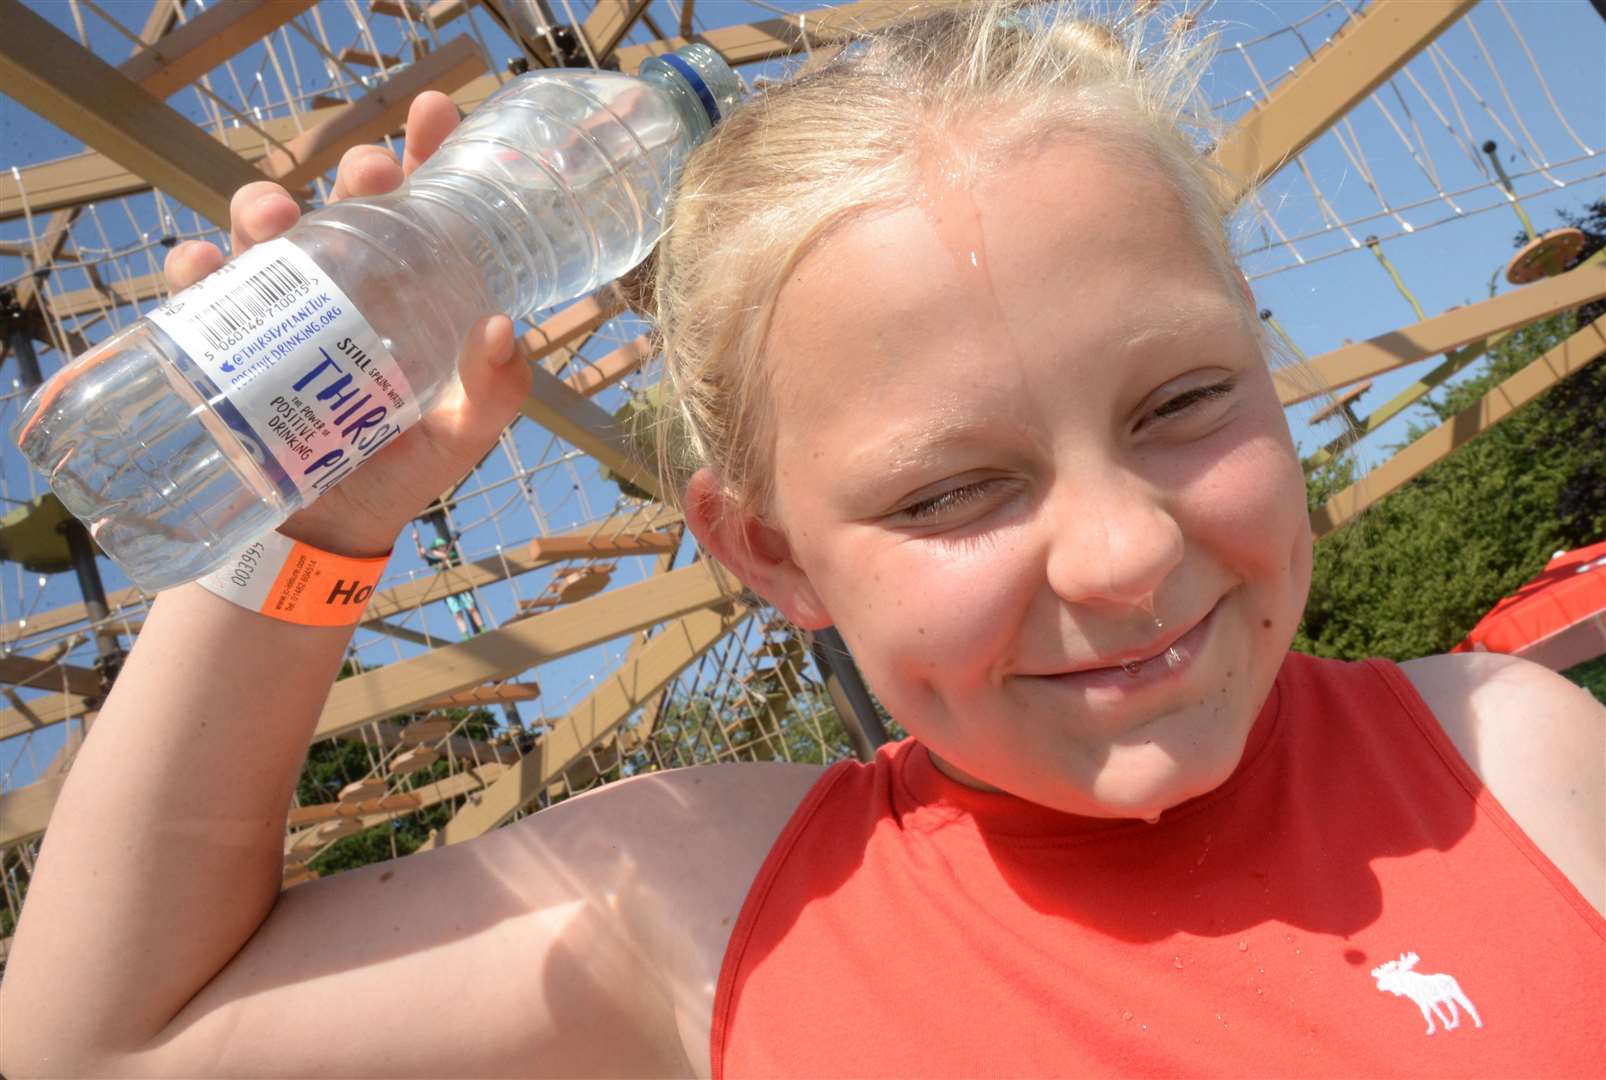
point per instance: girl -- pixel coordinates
(969, 373)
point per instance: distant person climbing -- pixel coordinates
(442, 554)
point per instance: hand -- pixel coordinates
(363, 514)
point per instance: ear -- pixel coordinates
(754, 550)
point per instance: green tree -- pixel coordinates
(1415, 572)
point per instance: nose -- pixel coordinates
(1110, 539)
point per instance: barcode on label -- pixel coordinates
(226, 320)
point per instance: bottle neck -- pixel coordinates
(688, 104)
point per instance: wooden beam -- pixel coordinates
(609, 22)
(157, 65)
(660, 660)
(574, 323)
(594, 376)
(602, 545)
(1364, 359)
(401, 633)
(189, 51)
(56, 77)
(25, 811)
(752, 43)
(1359, 59)
(503, 653)
(492, 694)
(513, 562)
(44, 674)
(498, 654)
(635, 538)
(41, 712)
(1582, 348)
(577, 420)
(376, 114)
(442, 12)
(375, 810)
(90, 177)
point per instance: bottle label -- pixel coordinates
(307, 384)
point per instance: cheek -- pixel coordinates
(932, 612)
(1248, 508)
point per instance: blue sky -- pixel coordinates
(1338, 293)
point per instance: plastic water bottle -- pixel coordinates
(205, 424)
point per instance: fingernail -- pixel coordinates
(264, 201)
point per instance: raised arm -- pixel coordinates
(164, 856)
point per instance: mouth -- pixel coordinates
(1165, 658)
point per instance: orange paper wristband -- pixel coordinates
(297, 583)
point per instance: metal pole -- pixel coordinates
(848, 692)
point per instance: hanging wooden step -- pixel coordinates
(353, 55)
(419, 757)
(490, 694)
(296, 878)
(338, 829)
(400, 9)
(426, 731)
(363, 790)
(387, 802)
(570, 586)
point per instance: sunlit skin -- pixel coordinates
(988, 470)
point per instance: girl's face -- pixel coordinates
(1026, 434)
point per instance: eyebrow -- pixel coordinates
(1181, 321)
(913, 448)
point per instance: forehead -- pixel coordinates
(1076, 250)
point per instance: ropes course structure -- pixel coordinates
(558, 628)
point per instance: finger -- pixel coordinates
(259, 211)
(189, 262)
(366, 170)
(491, 384)
(431, 118)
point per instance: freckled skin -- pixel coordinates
(1045, 375)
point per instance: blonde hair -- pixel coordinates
(805, 156)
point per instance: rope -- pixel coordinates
(1540, 75)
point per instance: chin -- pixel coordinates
(1145, 778)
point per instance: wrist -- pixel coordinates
(340, 538)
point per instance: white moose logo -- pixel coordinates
(1435, 995)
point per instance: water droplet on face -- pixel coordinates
(1133, 668)
(1259, 992)
(1127, 1015)
(1243, 946)
(1155, 820)
(972, 258)
(1145, 1027)
(1296, 952)
(1176, 962)
(1175, 657)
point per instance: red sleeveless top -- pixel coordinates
(1351, 902)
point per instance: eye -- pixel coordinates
(1190, 399)
(946, 501)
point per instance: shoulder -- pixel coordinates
(1537, 742)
